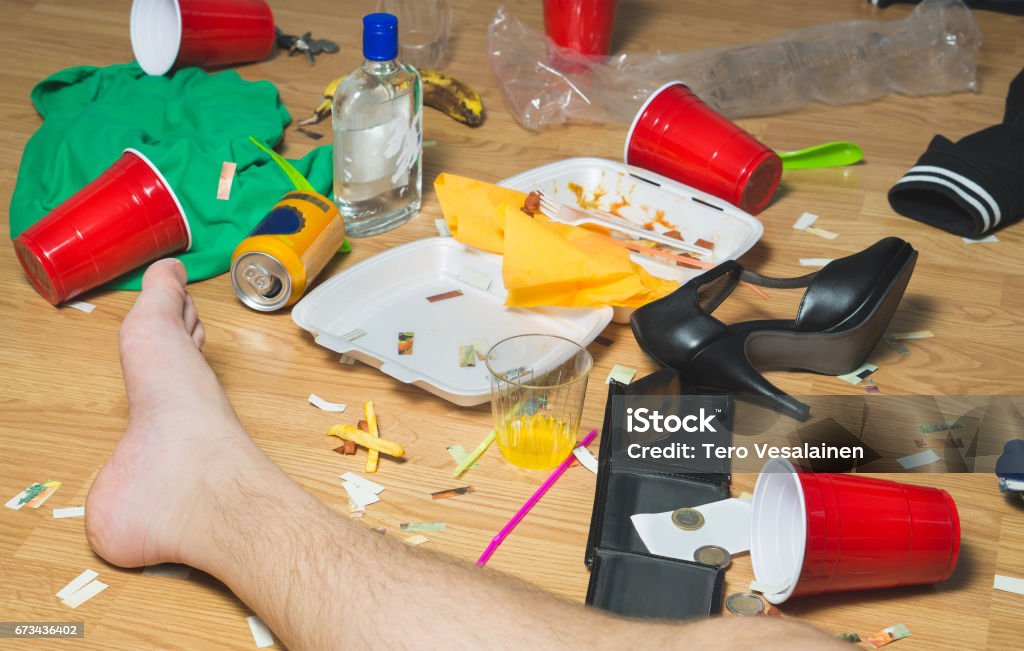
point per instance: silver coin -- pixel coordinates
(688, 519)
(745, 604)
(713, 555)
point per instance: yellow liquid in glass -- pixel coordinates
(535, 442)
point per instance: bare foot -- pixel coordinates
(149, 499)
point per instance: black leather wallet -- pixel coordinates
(625, 578)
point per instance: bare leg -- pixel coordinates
(204, 494)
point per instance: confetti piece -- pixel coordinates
(77, 584)
(475, 454)
(260, 633)
(310, 134)
(814, 262)
(939, 443)
(482, 348)
(352, 335)
(896, 345)
(1008, 584)
(361, 497)
(29, 494)
(982, 240)
(427, 144)
(475, 278)
(418, 539)
(227, 177)
(423, 526)
(69, 512)
(849, 637)
(381, 530)
(805, 221)
(919, 459)
(887, 635)
(768, 589)
(345, 359)
(349, 447)
(49, 488)
(85, 594)
(169, 570)
(604, 341)
(859, 375)
(451, 492)
(459, 454)
(821, 232)
(405, 342)
(620, 373)
(467, 356)
(363, 482)
(373, 456)
(442, 228)
(941, 426)
(322, 404)
(914, 334)
(586, 458)
(446, 295)
(81, 306)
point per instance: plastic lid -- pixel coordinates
(380, 37)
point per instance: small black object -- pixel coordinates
(1010, 464)
(304, 44)
(971, 187)
(845, 309)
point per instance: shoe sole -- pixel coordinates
(829, 353)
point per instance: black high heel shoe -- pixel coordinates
(844, 312)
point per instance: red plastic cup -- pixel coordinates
(582, 25)
(677, 135)
(820, 532)
(123, 219)
(207, 33)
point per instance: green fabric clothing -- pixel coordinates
(188, 124)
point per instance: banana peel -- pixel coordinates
(454, 98)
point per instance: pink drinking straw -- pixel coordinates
(539, 493)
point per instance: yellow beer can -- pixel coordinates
(272, 267)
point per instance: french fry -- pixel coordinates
(373, 444)
(372, 456)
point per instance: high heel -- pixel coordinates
(844, 311)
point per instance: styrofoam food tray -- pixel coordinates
(641, 196)
(387, 294)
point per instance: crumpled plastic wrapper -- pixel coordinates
(930, 52)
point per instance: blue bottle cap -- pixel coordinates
(380, 37)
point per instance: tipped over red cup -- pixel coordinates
(207, 33)
(677, 135)
(823, 532)
(121, 220)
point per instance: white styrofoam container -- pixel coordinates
(386, 294)
(641, 196)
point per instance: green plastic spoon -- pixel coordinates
(830, 154)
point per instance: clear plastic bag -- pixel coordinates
(931, 51)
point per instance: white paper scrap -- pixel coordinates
(919, 459)
(363, 482)
(814, 262)
(418, 539)
(81, 306)
(320, 403)
(360, 496)
(69, 512)
(913, 334)
(726, 524)
(857, 376)
(982, 240)
(77, 584)
(620, 373)
(474, 278)
(821, 232)
(1009, 584)
(227, 178)
(806, 220)
(260, 633)
(170, 570)
(442, 228)
(85, 594)
(586, 458)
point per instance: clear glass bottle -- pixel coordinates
(378, 124)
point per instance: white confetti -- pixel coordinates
(586, 458)
(227, 178)
(806, 221)
(363, 482)
(69, 512)
(81, 306)
(1009, 584)
(814, 262)
(77, 584)
(85, 594)
(322, 404)
(981, 240)
(620, 373)
(260, 633)
(442, 228)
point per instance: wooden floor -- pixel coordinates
(62, 406)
